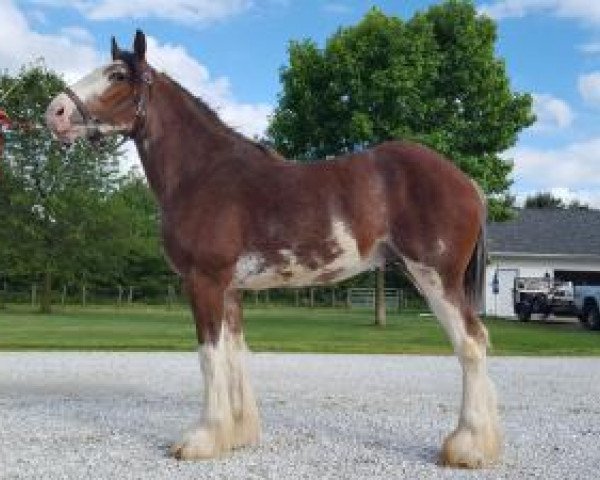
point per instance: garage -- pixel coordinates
(559, 243)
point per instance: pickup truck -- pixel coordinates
(542, 295)
(587, 305)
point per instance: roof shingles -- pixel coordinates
(547, 231)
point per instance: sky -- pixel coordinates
(230, 52)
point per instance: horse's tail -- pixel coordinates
(474, 282)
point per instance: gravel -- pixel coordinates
(112, 416)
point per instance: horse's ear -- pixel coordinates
(139, 45)
(114, 48)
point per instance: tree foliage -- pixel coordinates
(54, 204)
(547, 200)
(434, 78)
(143, 263)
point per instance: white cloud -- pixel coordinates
(248, 118)
(589, 88)
(77, 34)
(72, 53)
(590, 48)
(587, 11)
(336, 8)
(574, 168)
(19, 44)
(182, 11)
(551, 112)
(589, 197)
(38, 16)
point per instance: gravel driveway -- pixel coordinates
(112, 415)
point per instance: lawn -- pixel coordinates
(276, 329)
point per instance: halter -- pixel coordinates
(93, 125)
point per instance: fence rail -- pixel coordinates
(171, 295)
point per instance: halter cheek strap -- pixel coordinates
(93, 125)
(146, 79)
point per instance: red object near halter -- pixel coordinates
(4, 120)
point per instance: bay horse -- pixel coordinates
(235, 215)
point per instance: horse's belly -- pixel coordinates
(254, 271)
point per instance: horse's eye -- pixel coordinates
(117, 77)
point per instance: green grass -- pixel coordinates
(276, 329)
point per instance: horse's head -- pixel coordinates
(111, 99)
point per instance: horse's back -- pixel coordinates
(436, 212)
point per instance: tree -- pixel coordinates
(547, 200)
(143, 262)
(434, 78)
(577, 205)
(54, 204)
(543, 200)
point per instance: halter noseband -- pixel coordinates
(93, 124)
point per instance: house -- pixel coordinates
(560, 243)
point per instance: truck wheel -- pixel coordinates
(592, 317)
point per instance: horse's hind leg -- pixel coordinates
(477, 439)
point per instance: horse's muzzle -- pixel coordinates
(62, 119)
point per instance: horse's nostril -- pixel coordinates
(60, 111)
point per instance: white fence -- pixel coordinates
(171, 294)
(365, 298)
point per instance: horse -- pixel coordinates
(236, 215)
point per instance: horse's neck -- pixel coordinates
(179, 140)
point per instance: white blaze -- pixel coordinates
(92, 85)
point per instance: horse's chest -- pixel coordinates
(331, 260)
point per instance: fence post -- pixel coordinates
(312, 297)
(256, 298)
(170, 296)
(83, 295)
(333, 297)
(33, 295)
(120, 299)
(130, 298)
(297, 297)
(63, 297)
(267, 297)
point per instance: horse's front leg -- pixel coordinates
(243, 405)
(216, 433)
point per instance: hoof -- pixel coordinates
(466, 448)
(202, 444)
